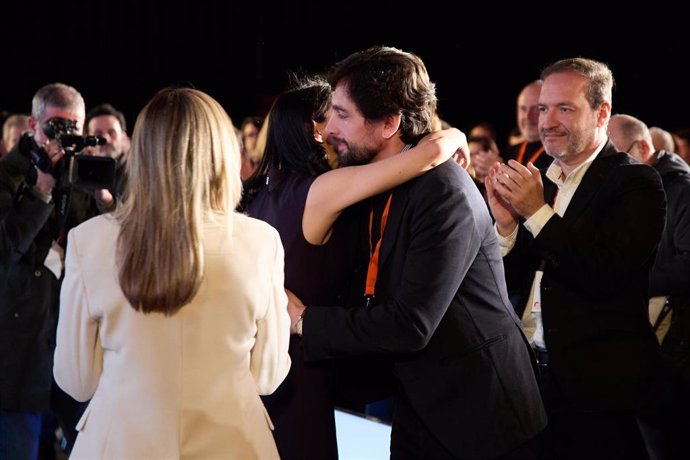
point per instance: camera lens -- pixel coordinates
(57, 127)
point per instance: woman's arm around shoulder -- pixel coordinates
(335, 190)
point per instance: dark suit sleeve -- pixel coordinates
(439, 241)
(22, 214)
(597, 253)
(671, 274)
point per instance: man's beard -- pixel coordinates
(351, 154)
(575, 142)
(108, 150)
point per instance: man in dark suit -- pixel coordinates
(437, 313)
(669, 289)
(580, 264)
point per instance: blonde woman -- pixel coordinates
(173, 315)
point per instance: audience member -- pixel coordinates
(530, 149)
(32, 245)
(662, 139)
(109, 123)
(484, 129)
(581, 268)
(669, 290)
(249, 129)
(515, 136)
(15, 125)
(681, 138)
(483, 153)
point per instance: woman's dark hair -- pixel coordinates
(290, 143)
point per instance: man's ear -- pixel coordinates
(391, 125)
(604, 114)
(647, 149)
(32, 125)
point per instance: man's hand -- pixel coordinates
(520, 186)
(506, 217)
(54, 150)
(295, 309)
(103, 198)
(45, 182)
(453, 143)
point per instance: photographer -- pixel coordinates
(105, 121)
(31, 250)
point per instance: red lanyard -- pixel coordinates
(373, 269)
(533, 158)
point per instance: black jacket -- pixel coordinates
(443, 320)
(596, 261)
(28, 290)
(671, 272)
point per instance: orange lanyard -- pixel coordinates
(533, 158)
(373, 269)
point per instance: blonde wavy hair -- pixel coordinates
(183, 168)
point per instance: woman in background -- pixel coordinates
(172, 311)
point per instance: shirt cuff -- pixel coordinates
(535, 223)
(506, 243)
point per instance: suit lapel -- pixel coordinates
(395, 213)
(593, 180)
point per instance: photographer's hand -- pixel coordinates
(54, 150)
(104, 199)
(45, 182)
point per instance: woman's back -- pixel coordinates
(315, 273)
(185, 385)
(302, 408)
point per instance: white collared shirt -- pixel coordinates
(531, 318)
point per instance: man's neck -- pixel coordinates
(392, 147)
(581, 157)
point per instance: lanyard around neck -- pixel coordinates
(373, 269)
(533, 158)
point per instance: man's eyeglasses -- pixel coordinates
(629, 149)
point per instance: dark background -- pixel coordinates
(479, 54)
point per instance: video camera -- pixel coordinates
(75, 168)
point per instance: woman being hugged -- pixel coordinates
(172, 311)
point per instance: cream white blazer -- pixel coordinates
(184, 386)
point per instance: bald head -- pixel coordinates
(662, 139)
(528, 111)
(630, 135)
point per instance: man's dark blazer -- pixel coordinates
(443, 320)
(596, 261)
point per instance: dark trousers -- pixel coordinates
(19, 434)
(665, 426)
(577, 435)
(411, 439)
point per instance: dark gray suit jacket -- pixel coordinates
(443, 320)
